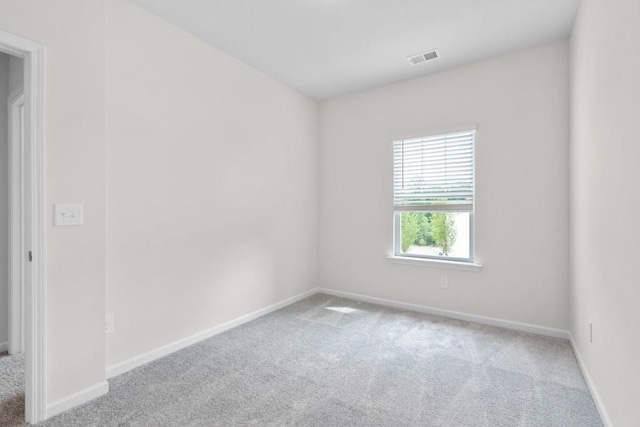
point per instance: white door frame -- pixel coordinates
(17, 260)
(33, 216)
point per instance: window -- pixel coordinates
(433, 189)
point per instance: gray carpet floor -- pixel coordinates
(327, 361)
(11, 389)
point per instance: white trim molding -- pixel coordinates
(429, 262)
(33, 55)
(149, 356)
(592, 387)
(77, 399)
(134, 362)
(435, 130)
(492, 321)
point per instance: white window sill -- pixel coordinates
(427, 262)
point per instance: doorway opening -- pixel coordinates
(13, 165)
(22, 256)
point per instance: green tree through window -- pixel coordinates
(444, 231)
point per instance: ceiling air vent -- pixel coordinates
(423, 57)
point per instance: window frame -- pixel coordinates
(453, 208)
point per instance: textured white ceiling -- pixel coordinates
(328, 48)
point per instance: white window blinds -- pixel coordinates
(434, 173)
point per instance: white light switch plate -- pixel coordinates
(67, 215)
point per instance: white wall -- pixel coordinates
(73, 32)
(185, 247)
(520, 105)
(4, 198)
(605, 237)
(11, 70)
(211, 185)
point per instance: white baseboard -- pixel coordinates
(4, 346)
(127, 365)
(592, 388)
(508, 324)
(100, 389)
(77, 399)
(134, 362)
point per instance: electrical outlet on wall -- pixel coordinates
(108, 324)
(444, 282)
